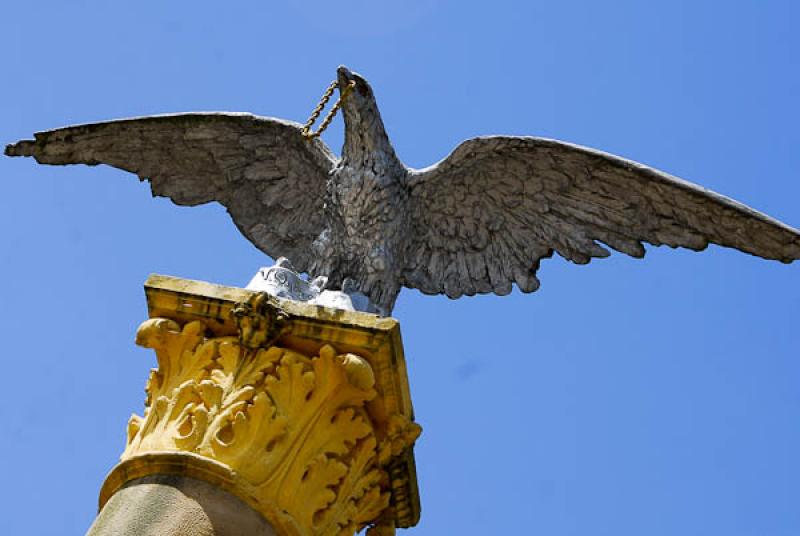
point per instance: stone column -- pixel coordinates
(264, 417)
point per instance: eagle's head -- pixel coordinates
(346, 77)
(358, 106)
(363, 127)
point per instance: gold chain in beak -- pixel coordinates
(306, 130)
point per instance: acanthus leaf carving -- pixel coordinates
(292, 428)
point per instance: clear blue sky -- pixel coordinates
(657, 397)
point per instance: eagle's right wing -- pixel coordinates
(488, 213)
(269, 177)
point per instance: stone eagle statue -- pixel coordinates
(477, 222)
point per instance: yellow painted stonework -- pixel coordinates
(301, 411)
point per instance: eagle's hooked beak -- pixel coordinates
(346, 77)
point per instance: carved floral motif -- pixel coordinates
(293, 427)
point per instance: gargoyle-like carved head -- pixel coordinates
(260, 320)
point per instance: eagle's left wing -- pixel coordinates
(263, 170)
(488, 213)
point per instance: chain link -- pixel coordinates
(306, 130)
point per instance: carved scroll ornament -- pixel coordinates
(287, 432)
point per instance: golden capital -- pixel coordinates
(303, 412)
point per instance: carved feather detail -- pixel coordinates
(479, 221)
(270, 178)
(486, 215)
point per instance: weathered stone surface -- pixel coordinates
(166, 505)
(479, 221)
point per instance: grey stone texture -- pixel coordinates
(164, 505)
(477, 222)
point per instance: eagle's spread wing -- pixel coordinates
(488, 213)
(270, 178)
